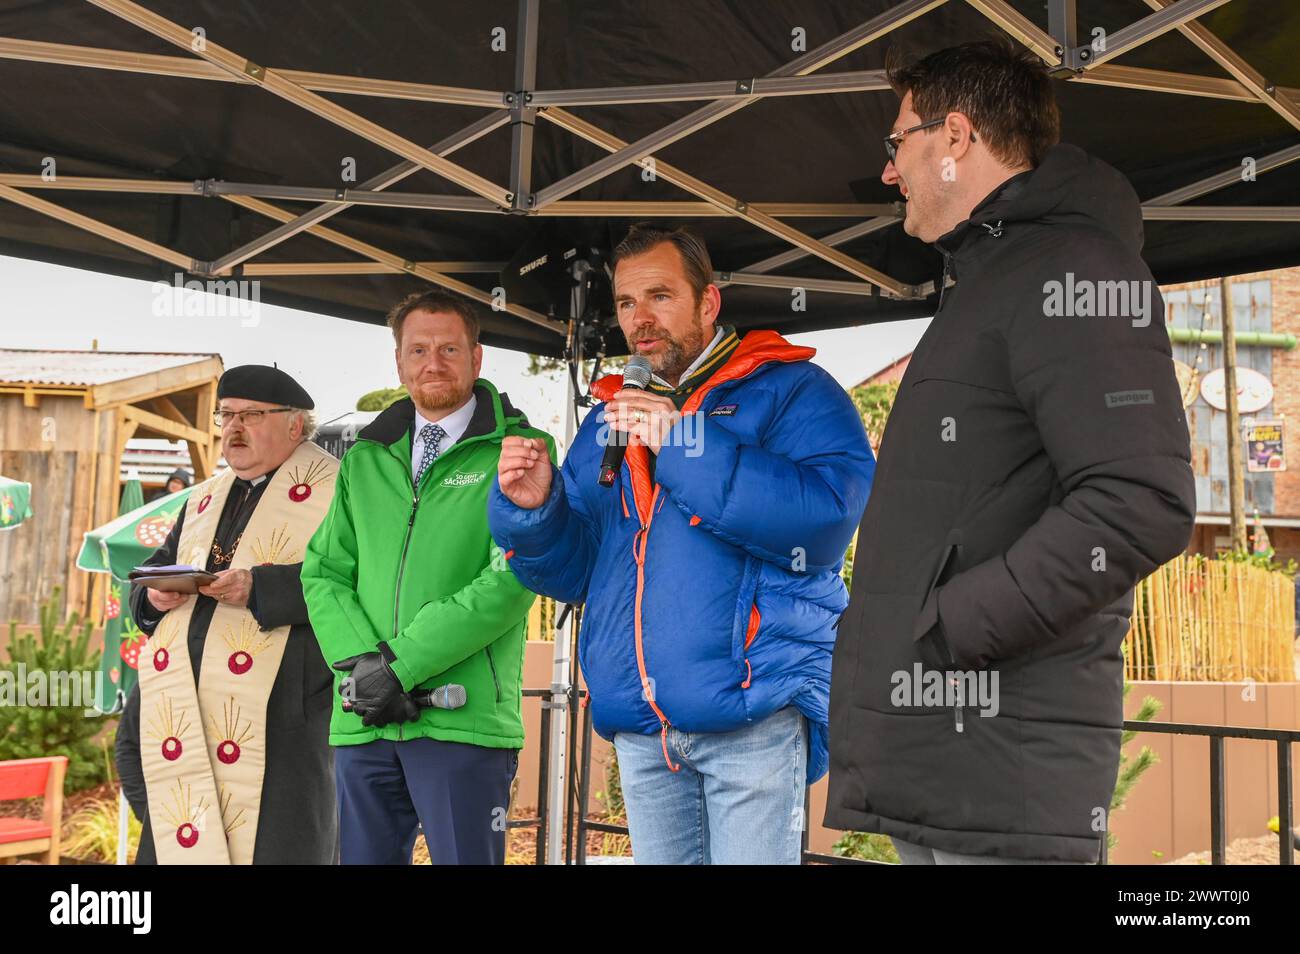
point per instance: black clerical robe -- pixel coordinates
(298, 823)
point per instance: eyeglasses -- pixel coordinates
(893, 139)
(222, 418)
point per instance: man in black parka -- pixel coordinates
(1035, 466)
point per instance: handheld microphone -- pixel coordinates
(635, 375)
(450, 696)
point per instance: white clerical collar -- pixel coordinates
(694, 364)
(453, 424)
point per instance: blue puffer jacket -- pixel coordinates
(711, 597)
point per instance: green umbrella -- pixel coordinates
(116, 548)
(132, 496)
(15, 502)
(123, 544)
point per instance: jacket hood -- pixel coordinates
(492, 415)
(1069, 187)
(756, 348)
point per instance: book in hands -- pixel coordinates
(177, 578)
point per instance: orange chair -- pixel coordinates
(25, 778)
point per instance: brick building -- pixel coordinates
(1266, 308)
(893, 371)
(1266, 311)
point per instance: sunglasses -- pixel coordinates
(893, 139)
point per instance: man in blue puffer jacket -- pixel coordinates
(710, 569)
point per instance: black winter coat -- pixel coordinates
(1033, 469)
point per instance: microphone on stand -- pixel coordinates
(635, 375)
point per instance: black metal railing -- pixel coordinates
(1217, 735)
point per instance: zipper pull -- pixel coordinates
(958, 714)
(943, 281)
(415, 502)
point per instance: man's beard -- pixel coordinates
(677, 353)
(447, 397)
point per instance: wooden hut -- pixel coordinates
(65, 417)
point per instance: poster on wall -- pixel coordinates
(1264, 450)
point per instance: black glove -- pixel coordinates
(373, 689)
(401, 709)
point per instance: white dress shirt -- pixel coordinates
(454, 424)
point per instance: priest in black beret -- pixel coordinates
(223, 746)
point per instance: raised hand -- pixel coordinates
(524, 471)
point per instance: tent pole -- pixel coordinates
(722, 279)
(258, 269)
(1221, 180)
(562, 688)
(1019, 27)
(1236, 480)
(1163, 81)
(1063, 24)
(123, 826)
(63, 54)
(856, 81)
(1222, 213)
(522, 116)
(834, 239)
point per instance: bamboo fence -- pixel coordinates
(1203, 620)
(541, 620)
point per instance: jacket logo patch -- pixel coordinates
(724, 410)
(1125, 398)
(465, 480)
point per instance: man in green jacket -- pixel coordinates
(415, 605)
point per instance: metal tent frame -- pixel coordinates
(1060, 47)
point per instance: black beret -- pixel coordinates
(258, 382)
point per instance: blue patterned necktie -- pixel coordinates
(432, 436)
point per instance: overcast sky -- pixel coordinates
(53, 307)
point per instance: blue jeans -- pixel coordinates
(737, 799)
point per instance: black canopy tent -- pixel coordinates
(136, 142)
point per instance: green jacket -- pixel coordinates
(419, 570)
